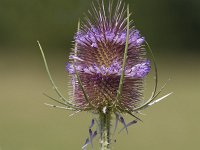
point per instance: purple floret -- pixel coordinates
(70, 68)
(94, 36)
(139, 70)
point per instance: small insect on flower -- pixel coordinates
(107, 67)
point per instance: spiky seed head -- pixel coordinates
(98, 58)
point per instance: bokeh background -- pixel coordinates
(172, 27)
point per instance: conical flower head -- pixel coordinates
(97, 61)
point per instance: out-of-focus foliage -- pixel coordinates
(166, 23)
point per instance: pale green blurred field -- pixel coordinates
(27, 124)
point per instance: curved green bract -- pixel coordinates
(67, 103)
(124, 59)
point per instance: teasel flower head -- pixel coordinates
(98, 59)
(108, 65)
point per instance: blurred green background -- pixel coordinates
(172, 27)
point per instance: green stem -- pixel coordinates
(105, 124)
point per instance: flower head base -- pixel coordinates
(98, 60)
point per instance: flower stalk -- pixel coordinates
(105, 125)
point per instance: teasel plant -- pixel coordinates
(108, 65)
